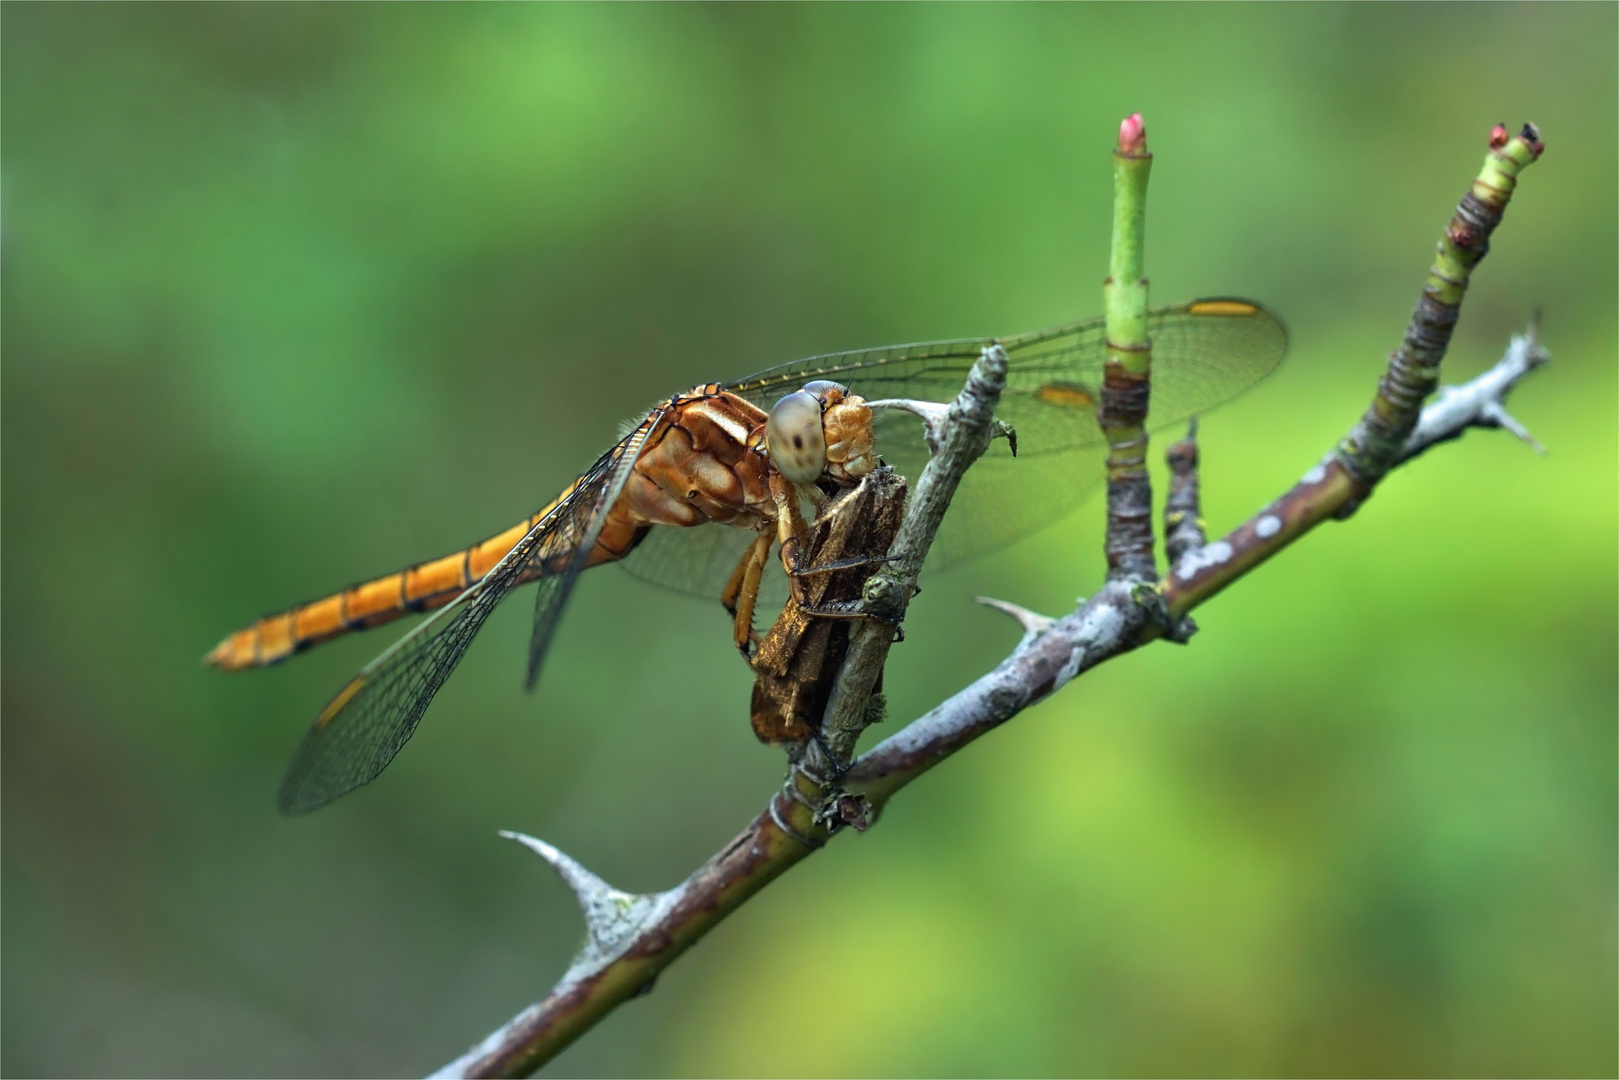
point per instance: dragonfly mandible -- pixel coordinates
(749, 455)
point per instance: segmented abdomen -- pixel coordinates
(698, 466)
(421, 587)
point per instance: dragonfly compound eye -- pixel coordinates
(820, 386)
(795, 439)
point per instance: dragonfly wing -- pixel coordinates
(571, 542)
(1001, 498)
(1204, 353)
(1207, 352)
(926, 371)
(700, 560)
(370, 720)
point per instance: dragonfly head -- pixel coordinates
(821, 429)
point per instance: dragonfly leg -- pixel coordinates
(835, 565)
(848, 609)
(742, 591)
(733, 585)
(791, 529)
(818, 498)
(794, 532)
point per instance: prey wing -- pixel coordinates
(371, 719)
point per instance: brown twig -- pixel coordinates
(1344, 480)
(1183, 509)
(1114, 620)
(633, 937)
(1127, 375)
(617, 963)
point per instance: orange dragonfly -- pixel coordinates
(753, 455)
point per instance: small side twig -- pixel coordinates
(1482, 402)
(1345, 478)
(1127, 374)
(1107, 625)
(1183, 508)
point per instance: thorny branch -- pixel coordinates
(633, 937)
(1107, 624)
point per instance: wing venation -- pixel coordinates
(375, 714)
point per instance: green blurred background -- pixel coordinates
(298, 294)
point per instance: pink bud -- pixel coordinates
(1133, 135)
(1498, 136)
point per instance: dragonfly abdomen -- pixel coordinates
(422, 587)
(698, 468)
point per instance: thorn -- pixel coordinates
(1034, 624)
(1000, 429)
(610, 914)
(1496, 414)
(933, 414)
(1537, 354)
(1191, 429)
(585, 885)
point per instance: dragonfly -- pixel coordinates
(750, 461)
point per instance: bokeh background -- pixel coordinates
(298, 294)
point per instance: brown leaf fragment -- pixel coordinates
(798, 659)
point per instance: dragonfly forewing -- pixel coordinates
(1203, 354)
(575, 538)
(700, 562)
(371, 719)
